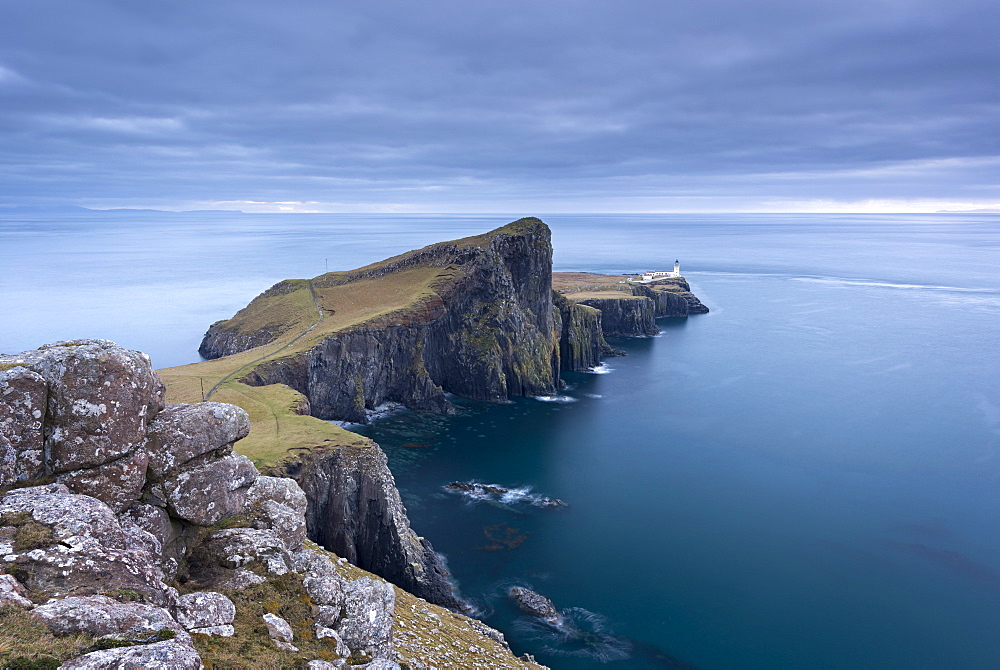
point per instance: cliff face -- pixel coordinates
(581, 340)
(482, 327)
(626, 316)
(355, 511)
(672, 296)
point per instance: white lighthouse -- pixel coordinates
(656, 275)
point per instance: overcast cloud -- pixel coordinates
(483, 105)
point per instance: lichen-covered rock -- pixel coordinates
(183, 432)
(239, 547)
(23, 401)
(225, 630)
(204, 609)
(100, 615)
(82, 548)
(117, 484)
(327, 665)
(12, 593)
(167, 655)
(323, 632)
(8, 462)
(278, 628)
(366, 622)
(240, 579)
(205, 491)
(279, 505)
(100, 398)
(150, 528)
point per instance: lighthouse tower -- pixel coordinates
(677, 268)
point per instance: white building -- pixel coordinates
(654, 275)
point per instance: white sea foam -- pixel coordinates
(593, 395)
(555, 398)
(581, 633)
(601, 369)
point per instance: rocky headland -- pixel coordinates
(131, 494)
(133, 535)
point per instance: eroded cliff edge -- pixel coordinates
(472, 317)
(476, 317)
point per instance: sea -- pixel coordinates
(806, 477)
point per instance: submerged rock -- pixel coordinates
(535, 604)
(503, 494)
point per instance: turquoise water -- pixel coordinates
(805, 477)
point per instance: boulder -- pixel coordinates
(183, 432)
(12, 593)
(117, 484)
(280, 632)
(23, 401)
(100, 398)
(149, 527)
(535, 604)
(204, 492)
(323, 632)
(103, 616)
(239, 547)
(75, 545)
(277, 504)
(366, 622)
(167, 655)
(204, 609)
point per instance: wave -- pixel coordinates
(555, 398)
(581, 633)
(839, 281)
(480, 492)
(601, 369)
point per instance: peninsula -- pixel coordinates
(230, 474)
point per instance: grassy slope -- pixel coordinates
(276, 427)
(289, 308)
(583, 285)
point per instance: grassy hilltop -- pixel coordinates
(296, 315)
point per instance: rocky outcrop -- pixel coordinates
(356, 512)
(535, 604)
(485, 331)
(581, 340)
(153, 492)
(672, 296)
(632, 316)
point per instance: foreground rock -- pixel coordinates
(152, 494)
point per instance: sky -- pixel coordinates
(542, 106)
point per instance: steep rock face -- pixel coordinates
(355, 511)
(630, 316)
(581, 340)
(668, 294)
(486, 331)
(667, 303)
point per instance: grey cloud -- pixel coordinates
(577, 99)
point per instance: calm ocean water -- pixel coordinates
(807, 477)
